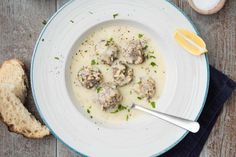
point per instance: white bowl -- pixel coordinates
(184, 94)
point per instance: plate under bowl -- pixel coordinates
(184, 94)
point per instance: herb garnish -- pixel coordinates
(57, 58)
(127, 117)
(98, 89)
(90, 12)
(145, 48)
(153, 64)
(115, 15)
(93, 62)
(71, 21)
(146, 56)
(120, 108)
(109, 42)
(88, 110)
(140, 35)
(152, 57)
(44, 22)
(42, 39)
(153, 104)
(139, 98)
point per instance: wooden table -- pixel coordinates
(21, 23)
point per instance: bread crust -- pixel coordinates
(11, 126)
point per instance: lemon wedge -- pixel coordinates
(190, 41)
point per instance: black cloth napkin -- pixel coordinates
(220, 90)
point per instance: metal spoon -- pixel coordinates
(189, 125)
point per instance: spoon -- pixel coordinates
(186, 124)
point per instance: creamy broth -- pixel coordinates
(86, 55)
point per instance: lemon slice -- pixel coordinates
(190, 41)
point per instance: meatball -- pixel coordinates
(146, 88)
(122, 74)
(134, 53)
(109, 51)
(109, 96)
(89, 77)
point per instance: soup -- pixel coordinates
(88, 55)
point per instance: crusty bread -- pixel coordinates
(13, 90)
(13, 77)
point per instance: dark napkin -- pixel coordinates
(220, 89)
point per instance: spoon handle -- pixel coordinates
(189, 125)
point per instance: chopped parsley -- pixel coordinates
(153, 104)
(109, 42)
(93, 62)
(115, 111)
(146, 56)
(90, 12)
(120, 108)
(115, 15)
(127, 117)
(145, 48)
(44, 22)
(98, 89)
(140, 35)
(42, 39)
(139, 98)
(88, 111)
(153, 64)
(150, 56)
(71, 21)
(57, 58)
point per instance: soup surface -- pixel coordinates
(87, 55)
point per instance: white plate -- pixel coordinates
(184, 94)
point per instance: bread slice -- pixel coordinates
(13, 77)
(13, 90)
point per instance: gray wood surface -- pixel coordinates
(219, 32)
(21, 23)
